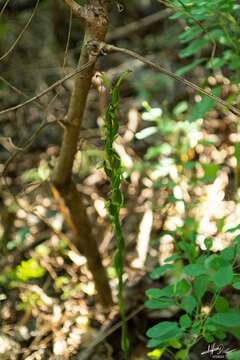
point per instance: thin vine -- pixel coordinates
(114, 172)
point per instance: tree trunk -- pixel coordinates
(95, 16)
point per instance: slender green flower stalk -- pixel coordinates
(114, 172)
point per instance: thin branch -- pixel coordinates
(111, 49)
(26, 145)
(46, 91)
(138, 25)
(30, 210)
(12, 87)
(16, 6)
(21, 33)
(68, 41)
(62, 69)
(104, 334)
(4, 7)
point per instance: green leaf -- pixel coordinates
(216, 63)
(175, 344)
(228, 254)
(235, 63)
(156, 354)
(173, 257)
(160, 271)
(154, 151)
(180, 108)
(236, 285)
(223, 276)
(210, 171)
(193, 47)
(196, 327)
(159, 304)
(208, 243)
(221, 304)
(190, 34)
(214, 262)
(189, 248)
(188, 304)
(220, 334)
(185, 321)
(201, 108)
(163, 332)
(156, 342)
(234, 355)
(210, 327)
(158, 293)
(185, 69)
(162, 328)
(194, 270)
(182, 287)
(235, 228)
(189, 165)
(208, 337)
(116, 88)
(200, 286)
(227, 319)
(182, 354)
(216, 34)
(29, 269)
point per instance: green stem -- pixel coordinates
(114, 172)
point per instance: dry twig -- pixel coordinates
(46, 91)
(8, 52)
(112, 49)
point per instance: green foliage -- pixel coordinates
(29, 269)
(211, 24)
(160, 271)
(208, 273)
(191, 276)
(114, 172)
(233, 355)
(201, 108)
(29, 300)
(163, 332)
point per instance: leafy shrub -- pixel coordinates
(198, 292)
(213, 23)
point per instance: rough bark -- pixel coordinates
(95, 16)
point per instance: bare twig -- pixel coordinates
(15, 6)
(68, 40)
(30, 210)
(12, 87)
(104, 334)
(138, 25)
(4, 7)
(26, 146)
(111, 49)
(46, 91)
(8, 52)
